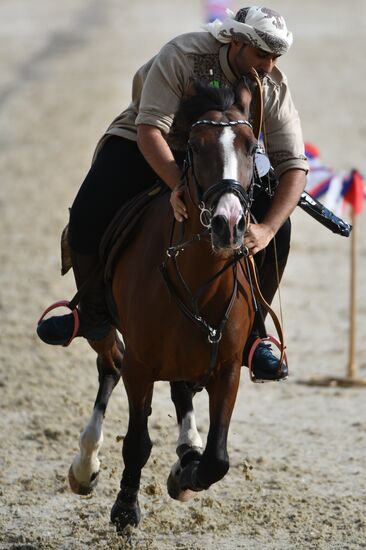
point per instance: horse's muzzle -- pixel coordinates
(226, 235)
(228, 223)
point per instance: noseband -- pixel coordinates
(210, 197)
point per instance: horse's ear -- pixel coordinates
(244, 94)
(193, 88)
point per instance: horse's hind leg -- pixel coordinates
(84, 471)
(136, 447)
(189, 445)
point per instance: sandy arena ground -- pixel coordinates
(297, 477)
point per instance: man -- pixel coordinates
(141, 144)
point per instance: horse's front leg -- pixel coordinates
(189, 445)
(84, 470)
(214, 463)
(136, 448)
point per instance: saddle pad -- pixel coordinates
(121, 229)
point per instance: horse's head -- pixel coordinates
(221, 147)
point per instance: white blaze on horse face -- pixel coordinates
(188, 434)
(229, 205)
(230, 159)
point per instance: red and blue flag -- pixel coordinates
(337, 188)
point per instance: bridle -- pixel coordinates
(207, 202)
(209, 198)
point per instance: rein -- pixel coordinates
(208, 201)
(214, 335)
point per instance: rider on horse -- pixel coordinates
(143, 144)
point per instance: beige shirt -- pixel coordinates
(160, 85)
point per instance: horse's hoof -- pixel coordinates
(82, 488)
(174, 488)
(124, 514)
(188, 477)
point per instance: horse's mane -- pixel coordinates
(206, 98)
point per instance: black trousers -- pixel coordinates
(119, 173)
(277, 250)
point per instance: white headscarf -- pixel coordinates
(258, 26)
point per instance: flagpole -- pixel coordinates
(351, 370)
(351, 379)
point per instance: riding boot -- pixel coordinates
(265, 363)
(95, 323)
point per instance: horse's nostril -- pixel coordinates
(219, 224)
(241, 224)
(220, 231)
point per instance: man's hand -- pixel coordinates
(158, 154)
(257, 237)
(179, 208)
(285, 199)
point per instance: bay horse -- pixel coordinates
(184, 307)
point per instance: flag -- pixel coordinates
(216, 9)
(319, 177)
(354, 191)
(337, 188)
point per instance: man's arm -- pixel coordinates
(160, 157)
(285, 199)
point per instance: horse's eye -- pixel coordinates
(195, 146)
(252, 147)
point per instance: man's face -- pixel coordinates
(243, 57)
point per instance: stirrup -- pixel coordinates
(255, 344)
(75, 313)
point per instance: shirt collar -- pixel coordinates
(224, 62)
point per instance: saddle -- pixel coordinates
(120, 231)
